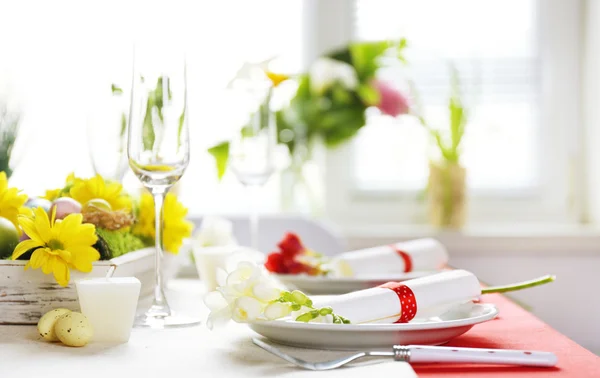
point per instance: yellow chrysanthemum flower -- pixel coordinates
(10, 201)
(60, 246)
(175, 226)
(84, 190)
(53, 194)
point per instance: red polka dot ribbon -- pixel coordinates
(408, 302)
(408, 265)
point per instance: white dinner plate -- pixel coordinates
(433, 331)
(320, 285)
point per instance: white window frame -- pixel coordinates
(560, 197)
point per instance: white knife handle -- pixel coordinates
(428, 354)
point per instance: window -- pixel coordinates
(506, 52)
(60, 57)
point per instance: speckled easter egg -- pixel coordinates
(74, 329)
(47, 322)
(65, 206)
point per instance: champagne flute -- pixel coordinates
(252, 148)
(158, 148)
(107, 135)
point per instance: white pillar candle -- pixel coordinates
(398, 302)
(110, 305)
(414, 255)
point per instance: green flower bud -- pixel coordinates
(299, 297)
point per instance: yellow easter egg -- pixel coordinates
(46, 323)
(74, 329)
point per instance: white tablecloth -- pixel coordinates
(172, 353)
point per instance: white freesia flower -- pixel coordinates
(215, 231)
(277, 310)
(243, 295)
(326, 71)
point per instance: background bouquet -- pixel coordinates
(331, 98)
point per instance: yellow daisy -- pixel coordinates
(10, 201)
(60, 246)
(175, 226)
(53, 194)
(84, 190)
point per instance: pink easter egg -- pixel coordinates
(65, 206)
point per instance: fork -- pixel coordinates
(427, 354)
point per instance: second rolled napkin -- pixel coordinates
(400, 302)
(414, 255)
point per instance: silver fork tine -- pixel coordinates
(326, 365)
(278, 353)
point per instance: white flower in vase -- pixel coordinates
(326, 71)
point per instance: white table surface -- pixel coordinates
(173, 353)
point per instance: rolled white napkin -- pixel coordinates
(400, 302)
(414, 255)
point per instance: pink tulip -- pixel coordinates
(391, 101)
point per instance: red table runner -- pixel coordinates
(515, 328)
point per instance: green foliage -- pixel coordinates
(9, 127)
(119, 242)
(123, 125)
(116, 90)
(449, 143)
(365, 56)
(155, 102)
(221, 154)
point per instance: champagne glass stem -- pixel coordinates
(253, 194)
(160, 302)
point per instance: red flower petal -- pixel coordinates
(291, 245)
(275, 263)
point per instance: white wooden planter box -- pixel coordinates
(26, 295)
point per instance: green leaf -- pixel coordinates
(116, 90)
(342, 54)
(402, 43)
(365, 57)
(247, 131)
(368, 94)
(221, 154)
(148, 135)
(456, 111)
(180, 128)
(123, 125)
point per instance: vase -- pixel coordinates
(447, 195)
(302, 184)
